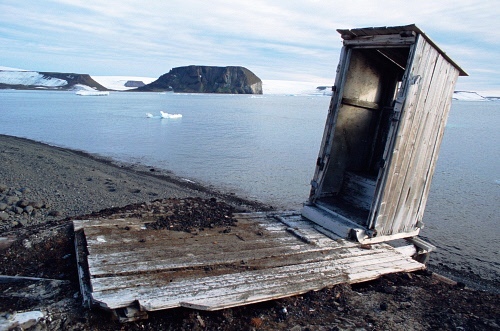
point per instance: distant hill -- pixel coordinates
(30, 80)
(207, 79)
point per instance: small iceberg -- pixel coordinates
(149, 115)
(92, 93)
(167, 115)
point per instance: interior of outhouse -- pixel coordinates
(362, 131)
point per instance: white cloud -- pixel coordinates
(277, 40)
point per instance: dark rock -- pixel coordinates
(17, 210)
(54, 213)
(389, 289)
(11, 199)
(134, 83)
(23, 203)
(3, 216)
(25, 190)
(3, 206)
(28, 209)
(36, 204)
(207, 79)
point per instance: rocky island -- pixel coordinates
(34, 80)
(207, 79)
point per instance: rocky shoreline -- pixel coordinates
(43, 187)
(39, 182)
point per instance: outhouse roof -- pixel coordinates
(386, 30)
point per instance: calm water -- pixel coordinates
(265, 147)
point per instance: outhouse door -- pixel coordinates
(386, 119)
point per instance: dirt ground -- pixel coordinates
(39, 288)
(407, 301)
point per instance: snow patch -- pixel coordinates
(118, 82)
(2, 68)
(81, 87)
(292, 87)
(468, 96)
(30, 78)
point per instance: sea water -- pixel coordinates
(264, 147)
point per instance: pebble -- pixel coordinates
(54, 213)
(11, 199)
(37, 204)
(14, 204)
(23, 203)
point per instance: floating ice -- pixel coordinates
(167, 115)
(149, 115)
(92, 93)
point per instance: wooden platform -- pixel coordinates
(130, 270)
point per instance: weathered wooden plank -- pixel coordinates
(106, 223)
(423, 149)
(207, 286)
(135, 264)
(360, 103)
(424, 60)
(191, 259)
(210, 279)
(236, 289)
(450, 85)
(415, 174)
(83, 272)
(380, 41)
(352, 258)
(292, 287)
(172, 249)
(126, 248)
(105, 239)
(335, 256)
(237, 283)
(206, 253)
(358, 190)
(143, 241)
(357, 275)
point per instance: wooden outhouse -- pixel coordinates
(386, 120)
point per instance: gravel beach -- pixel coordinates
(43, 187)
(56, 183)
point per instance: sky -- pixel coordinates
(277, 40)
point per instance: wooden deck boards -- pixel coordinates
(262, 258)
